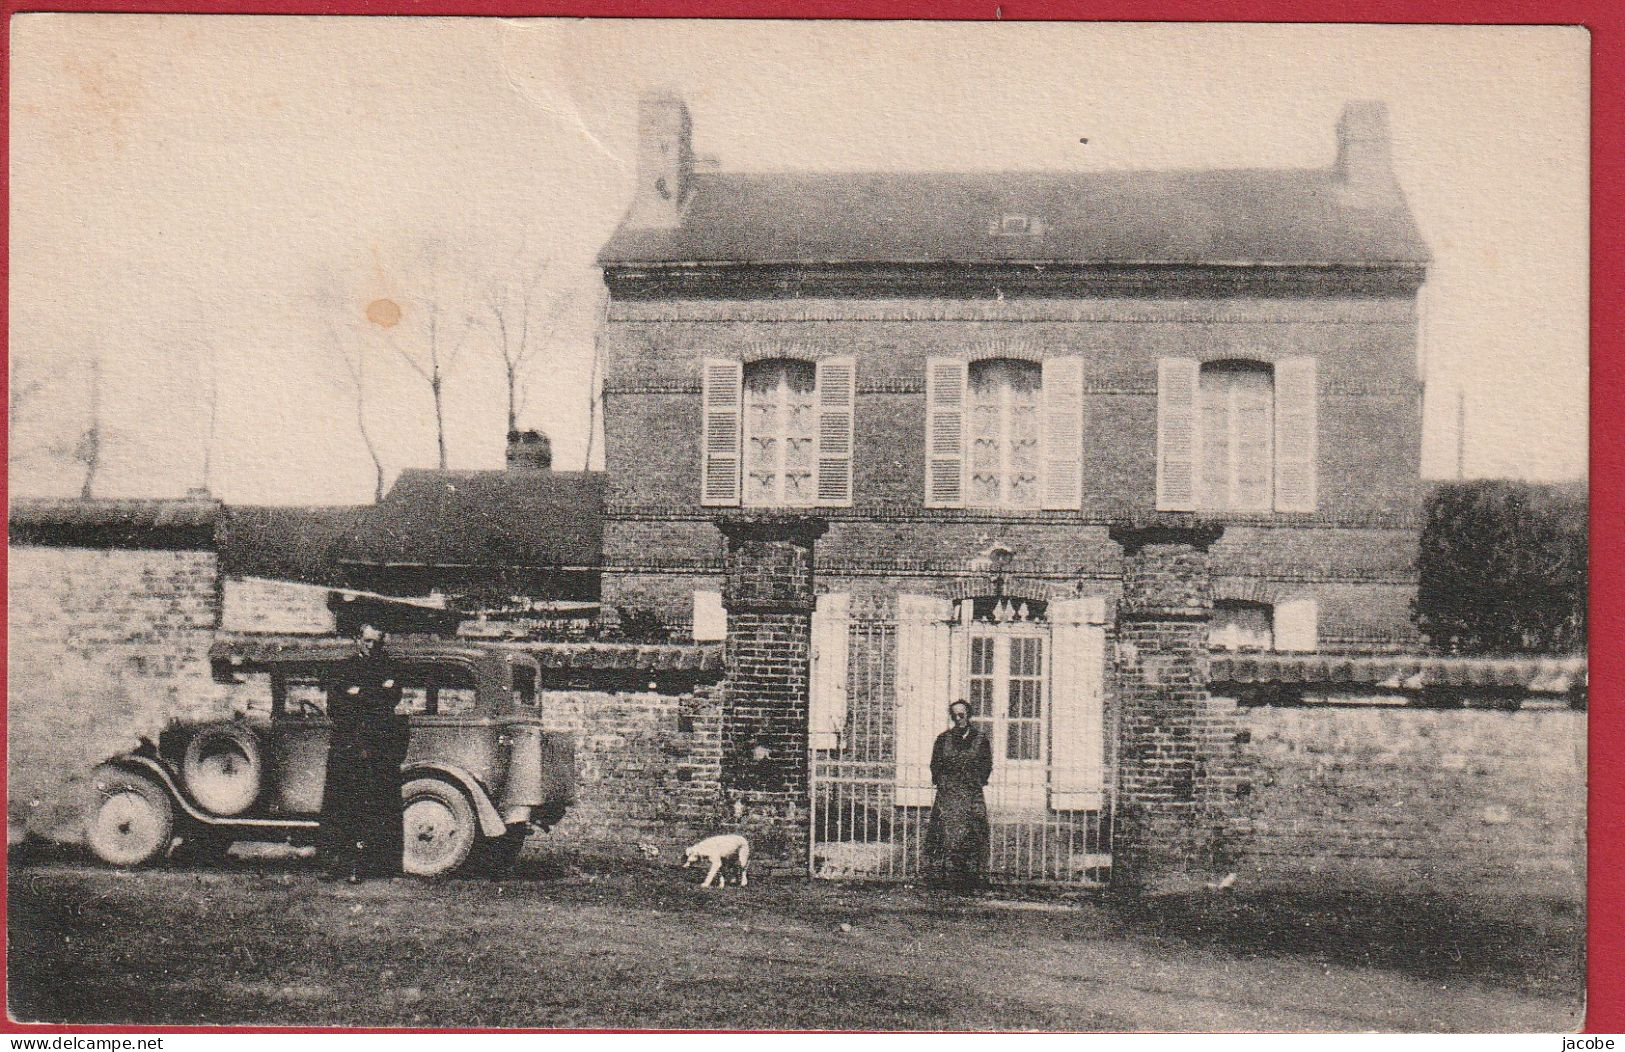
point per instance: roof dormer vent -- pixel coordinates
(1011, 225)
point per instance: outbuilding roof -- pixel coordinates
(1262, 217)
(517, 518)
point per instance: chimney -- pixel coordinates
(1363, 163)
(529, 451)
(665, 163)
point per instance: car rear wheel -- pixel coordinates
(131, 820)
(439, 828)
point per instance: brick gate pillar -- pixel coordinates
(768, 593)
(1177, 773)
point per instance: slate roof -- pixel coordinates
(516, 518)
(1268, 217)
(286, 543)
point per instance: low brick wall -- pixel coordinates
(106, 645)
(648, 770)
(1491, 800)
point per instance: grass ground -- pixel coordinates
(589, 944)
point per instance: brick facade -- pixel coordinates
(1354, 554)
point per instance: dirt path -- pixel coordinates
(571, 947)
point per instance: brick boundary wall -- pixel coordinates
(112, 608)
(1479, 799)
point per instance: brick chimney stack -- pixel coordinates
(1364, 165)
(665, 162)
(529, 451)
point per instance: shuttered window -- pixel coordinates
(1003, 430)
(1296, 439)
(1063, 432)
(1177, 425)
(720, 427)
(781, 433)
(1237, 436)
(831, 640)
(944, 433)
(836, 390)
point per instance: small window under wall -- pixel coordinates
(1241, 626)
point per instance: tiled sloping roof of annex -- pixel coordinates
(1242, 216)
(512, 518)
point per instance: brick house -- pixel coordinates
(966, 383)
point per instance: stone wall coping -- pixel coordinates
(182, 523)
(1404, 672)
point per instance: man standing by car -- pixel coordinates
(961, 764)
(360, 832)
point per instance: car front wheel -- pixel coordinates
(131, 820)
(440, 829)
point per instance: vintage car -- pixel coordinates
(480, 771)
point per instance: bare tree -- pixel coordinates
(353, 362)
(432, 351)
(89, 449)
(32, 438)
(523, 327)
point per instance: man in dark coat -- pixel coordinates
(360, 831)
(956, 837)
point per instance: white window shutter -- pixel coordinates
(1077, 704)
(1178, 440)
(1178, 433)
(721, 404)
(1296, 434)
(923, 637)
(837, 388)
(945, 380)
(1296, 624)
(831, 638)
(710, 619)
(1063, 433)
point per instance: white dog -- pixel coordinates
(716, 850)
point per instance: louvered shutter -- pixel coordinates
(1296, 434)
(831, 637)
(720, 398)
(944, 433)
(1177, 438)
(1077, 704)
(1063, 433)
(1295, 624)
(836, 391)
(922, 692)
(710, 619)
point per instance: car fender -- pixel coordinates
(165, 777)
(491, 823)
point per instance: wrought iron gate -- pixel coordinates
(870, 812)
